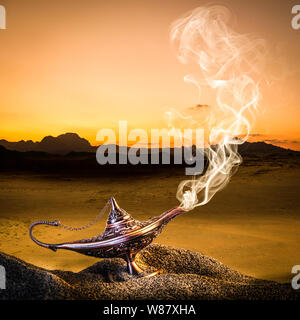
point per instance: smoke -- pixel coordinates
(229, 66)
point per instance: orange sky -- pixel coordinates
(79, 66)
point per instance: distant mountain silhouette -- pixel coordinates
(62, 144)
(58, 161)
(249, 148)
(72, 142)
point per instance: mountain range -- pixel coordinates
(72, 142)
(69, 154)
(62, 144)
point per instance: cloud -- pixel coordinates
(282, 141)
(199, 106)
(256, 135)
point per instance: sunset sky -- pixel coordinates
(79, 66)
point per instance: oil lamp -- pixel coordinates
(123, 236)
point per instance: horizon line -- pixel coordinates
(149, 145)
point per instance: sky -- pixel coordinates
(80, 66)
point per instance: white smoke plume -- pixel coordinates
(230, 65)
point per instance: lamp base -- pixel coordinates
(135, 271)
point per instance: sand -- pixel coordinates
(252, 225)
(184, 275)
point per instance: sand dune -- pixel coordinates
(183, 275)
